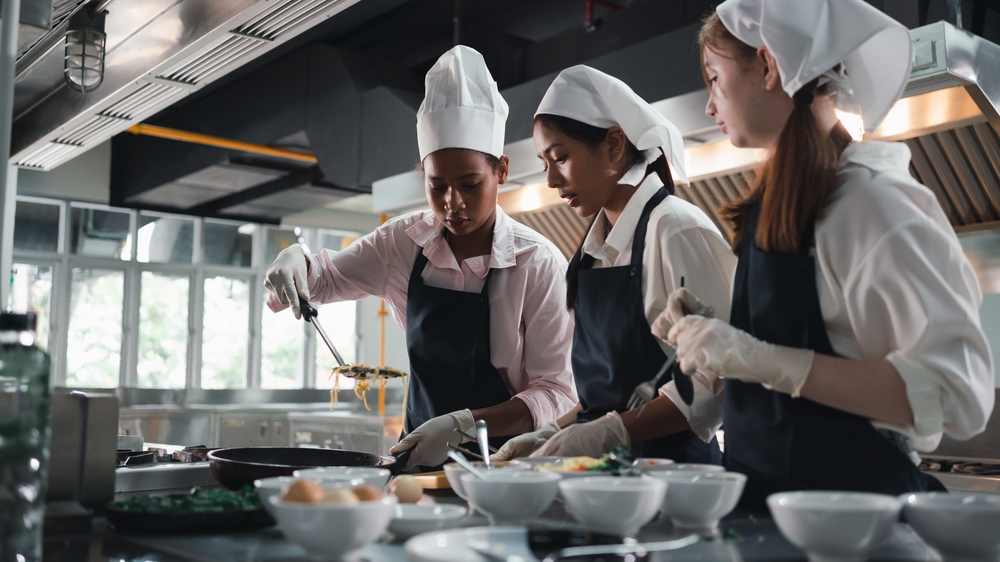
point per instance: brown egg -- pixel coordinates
(367, 492)
(303, 491)
(407, 489)
(342, 496)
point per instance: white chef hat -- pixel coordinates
(595, 98)
(462, 106)
(809, 38)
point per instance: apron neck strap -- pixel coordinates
(639, 238)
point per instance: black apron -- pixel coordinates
(783, 443)
(614, 351)
(448, 341)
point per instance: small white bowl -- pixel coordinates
(333, 531)
(647, 463)
(410, 520)
(835, 526)
(960, 525)
(696, 501)
(377, 477)
(453, 471)
(556, 465)
(613, 505)
(686, 467)
(511, 496)
(267, 487)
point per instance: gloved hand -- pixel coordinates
(286, 277)
(680, 303)
(430, 441)
(524, 444)
(591, 439)
(708, 344)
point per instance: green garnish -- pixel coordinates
(198, 501)
(730, 534)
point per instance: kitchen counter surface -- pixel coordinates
(759, 539)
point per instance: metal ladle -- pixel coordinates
(309, 313)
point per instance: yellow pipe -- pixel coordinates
(209, 140)
(382, 313)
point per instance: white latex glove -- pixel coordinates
(707, 344)
(591, 439)
(680, 303)
(430, 441)
(286, 277)
(526, 443)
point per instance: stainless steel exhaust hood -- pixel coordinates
(157, 53)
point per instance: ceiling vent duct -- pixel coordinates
(35, 20)
(167, 53)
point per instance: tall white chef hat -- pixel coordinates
(462, 106)
(809, 38)
(595, 98)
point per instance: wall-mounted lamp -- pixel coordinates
(84, 61)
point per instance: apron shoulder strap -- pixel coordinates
(639, 238)
(418, 267)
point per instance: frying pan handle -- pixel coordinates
(402, 458)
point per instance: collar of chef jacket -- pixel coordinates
(608, 250)
(428, 233)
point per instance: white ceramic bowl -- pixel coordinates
(511, 496)
(554, 464)
(333, 531)
(453, 471)
(410, 519)
(377, 477)
(613, 505)
(648, 463)
(267, 487)
(835, 526)
(696, 501)
(689, 467)
(960, 525)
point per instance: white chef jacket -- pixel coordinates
(680, 241)
(531, 332)
(894, 284)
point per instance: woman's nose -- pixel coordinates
(552, 177)
(453, 201)
(710, 106)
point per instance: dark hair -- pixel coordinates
(593, 136)
(493, 161)
(794, 184)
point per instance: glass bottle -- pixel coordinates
(24, 438)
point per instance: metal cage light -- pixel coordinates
(84, 60)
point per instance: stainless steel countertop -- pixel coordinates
(761, 540)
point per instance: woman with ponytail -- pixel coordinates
(854, 337)
(607, 152)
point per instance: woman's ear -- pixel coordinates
(502, 169)
(616, 144)
(772, 79)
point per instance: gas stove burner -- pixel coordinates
(135, 458)
(195, 453)
(929, 465)
(976, 468)
(159, 456)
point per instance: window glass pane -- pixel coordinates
(227, 243)
(339, 319)
(36, 227)
(93, 352)
(278, 239)
(32, 290)
(94, 232)
(164, 239)
(334, 240)
(282, 342)
(163, 331)
(224, 333)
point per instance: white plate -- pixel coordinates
(537, 463)
(457, 545)
(411, 520)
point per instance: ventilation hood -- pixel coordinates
(948, 117)
(35, 19)
(158, 52)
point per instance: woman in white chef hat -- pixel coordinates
(479, 295)
(854, 333)
(606, 150)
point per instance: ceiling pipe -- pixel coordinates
(220, 142)
(588, 12)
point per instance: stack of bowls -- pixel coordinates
(960, 525)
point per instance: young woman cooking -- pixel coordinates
(605, 150)
(479, 296)
(854, 333)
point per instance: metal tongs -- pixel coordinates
(310, 313)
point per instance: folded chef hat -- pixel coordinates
(595, 98)
(462, 106)
(809, 38)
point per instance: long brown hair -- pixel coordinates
(794, 184)
(593, 136)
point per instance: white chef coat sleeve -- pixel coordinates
(706, 262)
(916, 293)
(549, 390)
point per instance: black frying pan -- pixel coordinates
(240, 466)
